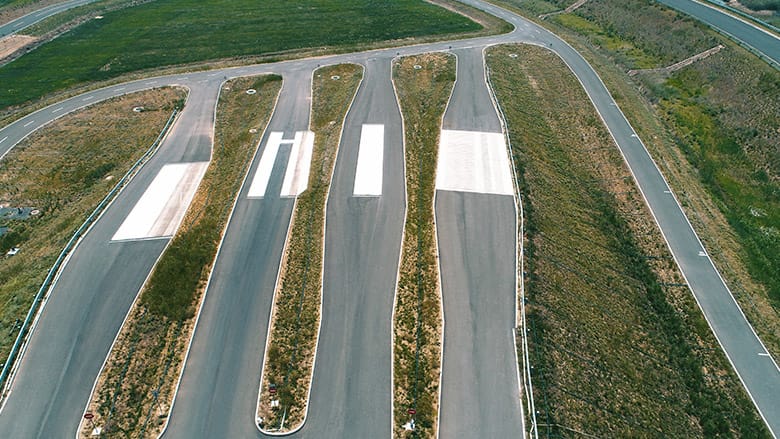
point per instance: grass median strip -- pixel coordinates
(423, 84)
(296, 312)
(135, 389)
(57, 176)
(618, 345)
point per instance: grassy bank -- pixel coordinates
(710, 128)
(423, 84)
(170, 32)
(64, 170)
(619, 348)
(134, 391)
(296, 312)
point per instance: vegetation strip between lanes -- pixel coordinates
(295, 319)
(63, 171)
(133, 394)
(619, 346)
(423, 85)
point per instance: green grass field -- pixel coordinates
(169, 32)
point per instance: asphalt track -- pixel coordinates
(351, 389)
(219, 385)
(217, 396)
(33, 17)
(739, 29)
(480, 393)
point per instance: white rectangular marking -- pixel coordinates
(29, 123)
(296, 178)
(57, 110)
(473, 161)
(162, 207)
(263, 173)
(121, 88)
(368, 175)
(88, 98)
(4, 139)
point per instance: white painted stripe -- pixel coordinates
(473, 161)
(121, 88)
(161, 208)
(88, 98)
(4, 139)
(57, 110)
(29, 123)
(263, 173)
(296, 178)
(368, 174)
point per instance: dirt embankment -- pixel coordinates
(12, 43)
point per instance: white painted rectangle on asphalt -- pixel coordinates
(162, 207)
(368, 175)
(473, 161)
(266, 165)
(296, 178)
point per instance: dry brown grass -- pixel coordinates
(423, 94)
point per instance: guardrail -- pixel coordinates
(72, 243)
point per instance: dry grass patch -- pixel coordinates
(296, 312)
(423, 84)
(619, 348)
(135, 389)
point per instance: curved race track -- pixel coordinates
(351, 389)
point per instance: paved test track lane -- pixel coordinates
(351, 391)
(480, 393)
(33, 17)
(90, 300)
(218, 392)
(759, 373)
(761, 40)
